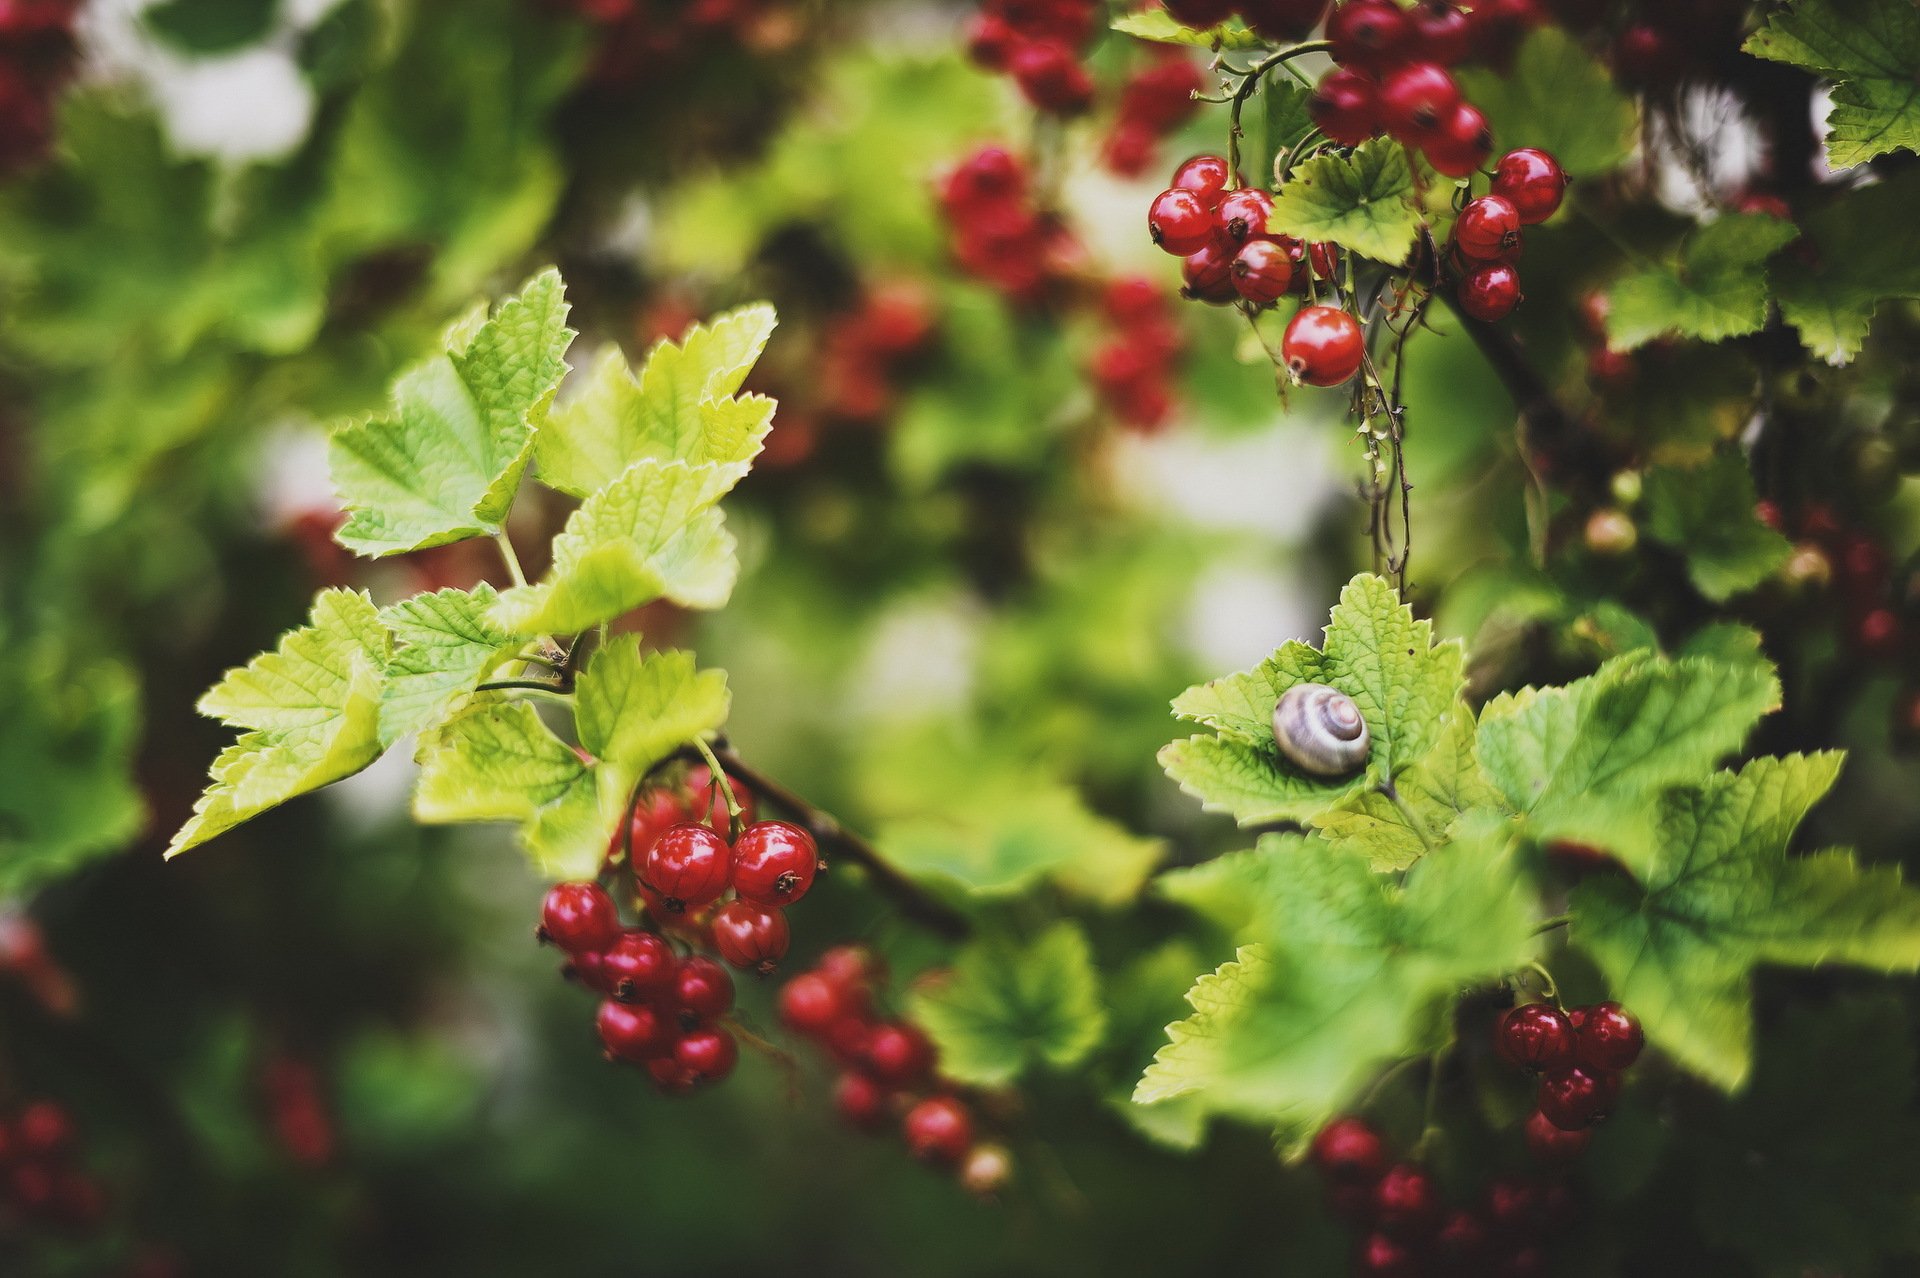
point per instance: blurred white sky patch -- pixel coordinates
(250, 104)
(293, 473)
(1724, 151)
(1242, 609)
(1273, 481)
(920, 660)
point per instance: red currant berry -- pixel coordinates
(1647, 57)
(990, 39)
(899, 1056)
(748, 936)
(637, 968)
(1051, 77)
(1609, 1039)
(707, 1054)
(1324, 256)
(654, 813)
(1554, 1145)
(1416, 99)
(1180, 221)
(1513, 1207)
(1369, 35)
(1462, 1243)
(1322, 346)
(579, 917)
(1206, 176)
(1200, 14)
(1406, 1202)
(1532, 181)
(670, 1078)
(1491, 292)
(1488, 228)
(1208, 275)
(939, 1130)
(1348, 1149)
(990, 176)
(1380, 1256)
(632, 1032)
(1535, 1036)
(850, 966)
(1574, 1098)
(1345, 105)
(809, 1004)
(846, 1040)
(1282, 21)
(702, 991)
(687, 866)
(1461, 144)
(774, 863)
(44, 1128)
(711, 805)
(1261, 271)
(1878, 634)
(1442, 32)
(1242, 215)
(860, 1102)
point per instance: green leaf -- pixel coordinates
(1407, 689)
(1007, 1007)
(1872, 54)
(680, 408)
(1284, 107)
(498, 762)
(1586, 760)
(444, 464)
(446, 646)
(1559, 98)
(1445, 783)
(1231, 890)
(1158, 25)
(653, 533)
(312, 707)
(1717, 290)
(1706, 513)
(634, 710)
(1344, 973)
(1716, 895)
(211, 26)
(1857, 263)
(1363, 203)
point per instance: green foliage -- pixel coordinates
(633, 710)
(1717, 290)
(444, 647)
(1158, 25)
(1854, 264)
(498, 762)
(1008, 1006)
(1557, 97)
(1362, 203)
(1706, 513)
(1872, 54)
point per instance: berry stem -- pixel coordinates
(725, 783)
(782, 1059)
(558, 690)
(512, 560)
(1547, 983)
(1245, 91)
(1547, 925)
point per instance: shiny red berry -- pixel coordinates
(1180, 221)
(1461, 144)
(1261, 271)
(1242, 215)
(1554, 1145)
(1442, 32)
(860, 1101)
(1323, 346)
(1406, 1202)
(1487, 229)
(1491, 292)
(578, 917)
(849, 966)
(655, 812)
(702, 991)
(809, 1004)
(748, 936)
(899, 1056)
(1532, 181)
(687, 867)
(1609, 1038)
(634, 1032)
(1348, 1149)
(710, 805)
(1207, 274)
(1345, 105)
(774, 863)
(1369, 35)
(637, 968)
(1575, 1098)
(1535, 1036)
(706, 1054)
(939, 1130)
(1416, 99)
(1206, 176)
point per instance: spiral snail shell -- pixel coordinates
(1320, 730)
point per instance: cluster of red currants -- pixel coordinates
(889, 1067)
(1528, 185)
(36, 59)
(1000, 235)
(1038, 43)
(642, 39)
(865, 351)
(1132, 368)
(1155, 100)
(43, 1184)
(1217, 226)
(1655, 46)
(1579, 1055)
(1855, 562)
(1411, 1230)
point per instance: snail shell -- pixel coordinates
(1320, 730)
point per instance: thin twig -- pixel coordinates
(1245, 91)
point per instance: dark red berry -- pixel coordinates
(1442, 32)
(655, 812)
(1488, 228)
(1368, 35)
(846, 1040)
(939, 1130)
(1051, 77)
(1200, 14)
(1491, 292)
(1513, 1207)
(1462, 1244)
(687, 866)
(579, 917)
(1879, 634)
(632, 1032)
(671, 1078)
(1461, 144)
(1380, 1256)
(748, 936)
(1282, 20)
(899, 1056)
(1575, 1098)
(1416, 99)
(1406, 1202)
(850, 966)
(707, 1054)
(43, 1128)
(1242, 214)
(702, 990)
(1609, 1039)
(1206, 176)
(1348, 1149)
(1535, 1036)
(860, 1101)
(1323, 346)
(1261, 271)
(637, 968)
(1532, 181)
(1180, 221)
(1647, 57)
(1208, 274)
(809, 1003)
(774, 863)
(1554, 1145)
(1345, 105)
(990, 176)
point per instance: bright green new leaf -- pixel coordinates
(497, 761)
(1858, 263)
(1557, 97)
(1717, 894)
(1871, 52)
(443, 465)
(1717, 290)
(312, 710)
(634, 710)
(1706, 513)
(652, 533)
(1007, 1007)
(1230, 891)
(1160, 26)
(1446, 782)
(1407, 689)
(1344, 973)
(1363, 203)
(681, 407)
(446, 646)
